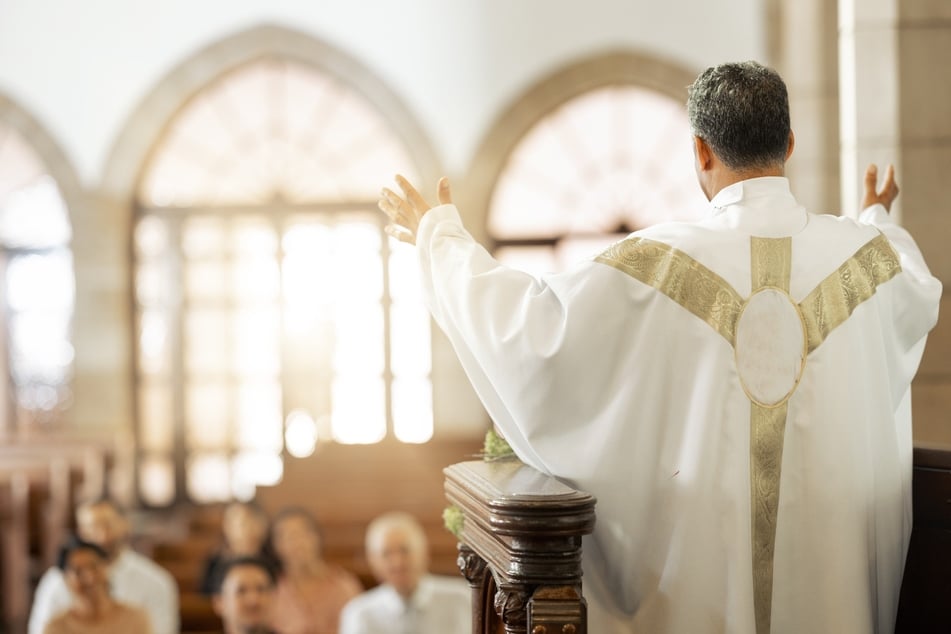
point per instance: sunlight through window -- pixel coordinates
(157, 480)
(610, 161)
(35, 216)
(38, 282)
(209, 477)
(412, 410)
(359, 415)
(300, 434)
(259, 204)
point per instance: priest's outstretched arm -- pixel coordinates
(525, 343)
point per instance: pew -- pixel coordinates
(342, 486)
(923, 607)
(519, 543)
(520, 547)
(35, 502)
(181, 541)
(40, 482)
(15, 578)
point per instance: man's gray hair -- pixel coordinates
(741, 110)
(383, 524)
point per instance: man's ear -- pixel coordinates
(703, 154)
(216, 603)
(792, 144)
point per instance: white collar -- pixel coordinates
(759, 206)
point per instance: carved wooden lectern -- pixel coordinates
(520, 547)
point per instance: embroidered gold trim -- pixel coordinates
(834, 299)
(681, 278)
(712, 299)
(767, 430)
(770, 267)
(771, 263)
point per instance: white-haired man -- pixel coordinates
(408, 600)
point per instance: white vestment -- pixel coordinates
(643, 376)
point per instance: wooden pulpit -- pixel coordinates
(520, 547)
(926, 586)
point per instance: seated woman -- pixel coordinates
(243, 534)
(93, 611)
(310, 592)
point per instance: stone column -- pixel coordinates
(102, 323)
(895, 91)
(802, 46)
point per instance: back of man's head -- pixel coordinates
(741, 110)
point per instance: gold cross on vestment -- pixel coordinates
(711, 298)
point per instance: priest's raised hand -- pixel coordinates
(406, 210)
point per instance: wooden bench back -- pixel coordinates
(40, 483)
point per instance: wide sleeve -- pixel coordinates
(526, 344)
(916, 308)
(912, 313)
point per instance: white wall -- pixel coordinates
(81, 67)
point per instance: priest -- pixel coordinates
(735, 391)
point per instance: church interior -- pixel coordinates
(199, 302)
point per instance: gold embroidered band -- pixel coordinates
(767, 431)
(681, 278)
(770, 262)
(831, 303)
(712, 299)
(770, 266)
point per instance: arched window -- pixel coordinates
(36, 285)
(613, 155)
(271, 313)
